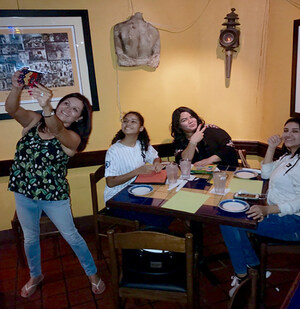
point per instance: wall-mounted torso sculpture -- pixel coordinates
(137, 42)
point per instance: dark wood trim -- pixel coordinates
(92, 158)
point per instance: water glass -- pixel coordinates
(220, 181)
(172, 173)
(185, 167)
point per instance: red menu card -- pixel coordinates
(154, 178)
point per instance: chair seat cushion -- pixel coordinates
(150, 269)
(175, 282)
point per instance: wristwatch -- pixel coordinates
(47, 116)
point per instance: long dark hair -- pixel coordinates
(176, 131)
(286, 150)
(83, 126)
(143, 136)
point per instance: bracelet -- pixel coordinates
(48, 116)
(195, 144)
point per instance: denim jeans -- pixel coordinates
(239, 247)
(59, 212)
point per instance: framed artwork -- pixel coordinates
(56, 43)
(295, 91)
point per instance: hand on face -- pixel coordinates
(198, 135)
(257, 212)
(42, 94)
(274, 141)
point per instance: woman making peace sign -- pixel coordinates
(201, 144)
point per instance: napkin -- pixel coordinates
(178, 182)
(213, 191)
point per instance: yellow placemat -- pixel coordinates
(247, 185)
(186, 201)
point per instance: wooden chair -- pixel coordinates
(101, 219)
(269, 246)
(245, 296)
(178, 287)
(241, 154)
(47, 229)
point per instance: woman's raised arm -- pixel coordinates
(12, 104)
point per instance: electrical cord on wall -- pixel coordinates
(162, 28)
(294, 3)
(118, 94)
(166, 28)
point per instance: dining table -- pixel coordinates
(195, 202)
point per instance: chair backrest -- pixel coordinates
(246, 293)
(272, 246)
(94, 178)
(151, 240)
(242, 153)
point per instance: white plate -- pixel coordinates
(245, 174)
(140, 190)
(234, 206)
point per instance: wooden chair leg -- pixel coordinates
(263, 266)
(254, 300)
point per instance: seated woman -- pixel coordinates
(126, 159)
(201, 144)
(281, 218)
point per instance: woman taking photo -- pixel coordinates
(126, 159)
(38, 174)
(280, 219)
(201, 144)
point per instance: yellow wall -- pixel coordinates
(277, 86)
(253, 105)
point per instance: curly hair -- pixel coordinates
(143, 136)
(176, 131)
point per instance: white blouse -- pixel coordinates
(284, 187)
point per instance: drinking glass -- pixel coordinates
(185, 167)
(172, 172)
(220, 181)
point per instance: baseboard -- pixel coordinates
(84, 224)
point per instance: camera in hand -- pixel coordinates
(29, 77)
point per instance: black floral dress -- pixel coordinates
(39, 169)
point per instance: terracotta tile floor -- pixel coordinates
(66, 286)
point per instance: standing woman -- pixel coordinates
(280, 219)
(126, 159)
(201, 144)
(38, 174)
